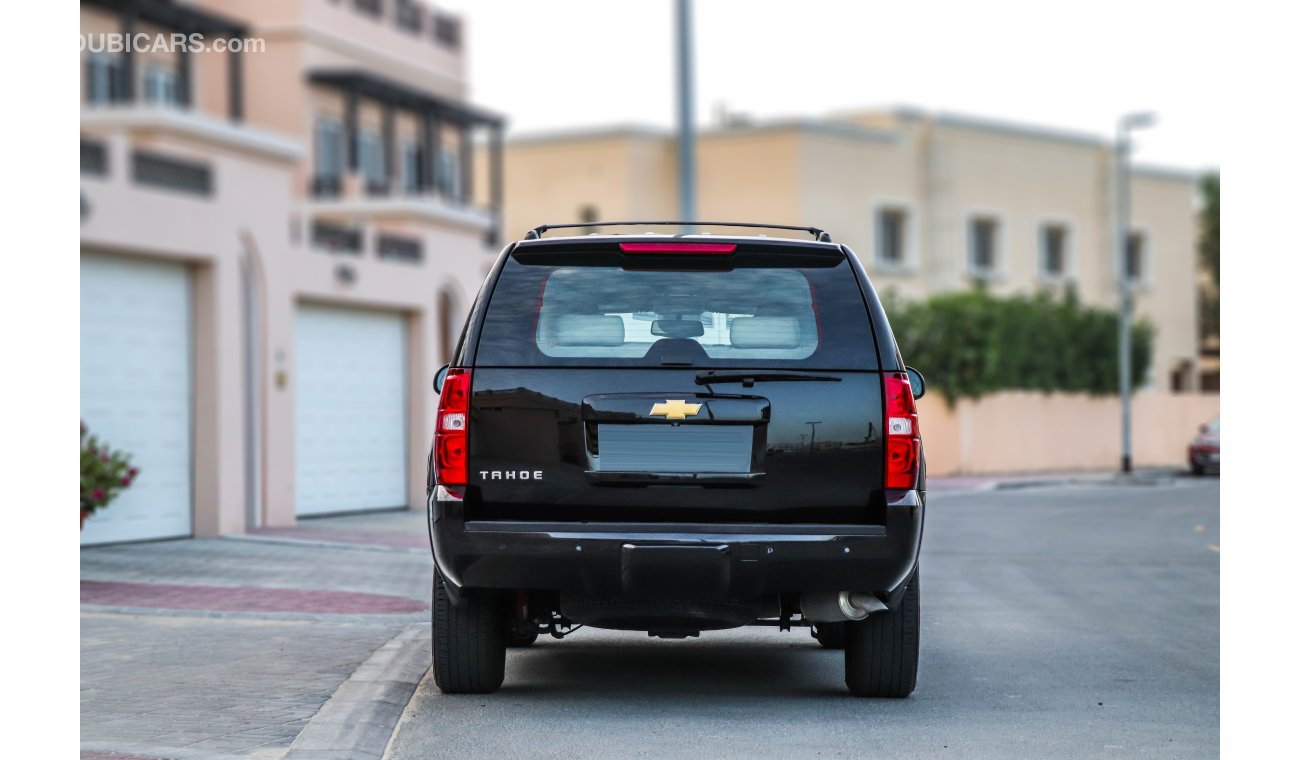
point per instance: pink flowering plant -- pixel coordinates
(105, 472)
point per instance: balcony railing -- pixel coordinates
(326, 186)
(334, 186)
(118, 81)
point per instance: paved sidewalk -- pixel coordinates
(225, 647)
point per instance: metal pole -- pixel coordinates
(1123, 150)
(496, 151)
(685, 117)
(812, 439)
(1125, 298)
(235, 85)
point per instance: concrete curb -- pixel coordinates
(983, 484)
(1140, 478)
(1016, 485)
(358, 720)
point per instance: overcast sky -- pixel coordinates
(1076, 66)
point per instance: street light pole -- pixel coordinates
(685, 117)
(1123, 149)
(812, 439)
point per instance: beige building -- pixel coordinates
(931, 203)
(278, 247)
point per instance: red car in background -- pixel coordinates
(1203, 451)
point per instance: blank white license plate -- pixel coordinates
(675, 448)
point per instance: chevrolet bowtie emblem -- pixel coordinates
(675, 409)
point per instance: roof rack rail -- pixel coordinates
(821, 235)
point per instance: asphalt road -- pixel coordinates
(1056, 622)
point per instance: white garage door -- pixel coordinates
(135, 390)
(350, 410)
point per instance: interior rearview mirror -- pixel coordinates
(917, 381)
(439, 378)
(677, 328)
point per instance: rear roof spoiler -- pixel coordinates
(822, 236)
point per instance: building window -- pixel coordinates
(983, 233)
(370, 156)
(94, 158)
(1135, 257)
(1210, 381)
(171, 173)
(160, 86)
(373, 8)
(891, 237)
(409, 16)
(1053, 252)
(448, 175)
(336, 238)
(329, 157)
(104, 79)
(411, 160)
(446, 31)
(398, 248)
(1182, 377)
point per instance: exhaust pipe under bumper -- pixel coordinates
(838, 606)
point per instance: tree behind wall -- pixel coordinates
(970, 344)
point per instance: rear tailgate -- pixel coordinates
(718, 388)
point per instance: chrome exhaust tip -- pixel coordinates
(839, 606)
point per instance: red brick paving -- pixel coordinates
(968, 482)
(243, 599)
(365, 537)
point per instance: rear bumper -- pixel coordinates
(620, 560)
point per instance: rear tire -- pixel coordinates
(469, 640)
(881, 653)
(1198, 469)
(829, 635)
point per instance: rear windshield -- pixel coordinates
(794, 310)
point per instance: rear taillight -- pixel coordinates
(902, 433)
(451, 436)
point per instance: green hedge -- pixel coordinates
(969, 344)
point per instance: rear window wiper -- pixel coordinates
(747, 379)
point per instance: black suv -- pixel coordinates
(677, 434)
